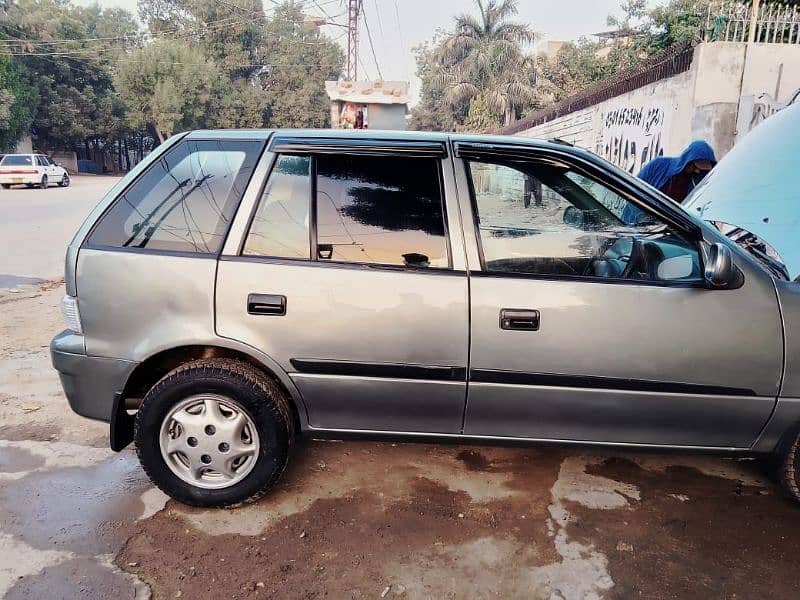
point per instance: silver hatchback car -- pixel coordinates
(240, 288)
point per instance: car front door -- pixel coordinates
(584, 328)
(343, 272)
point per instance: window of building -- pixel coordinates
(184, 202)
(545, 219)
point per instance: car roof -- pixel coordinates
(394, 135)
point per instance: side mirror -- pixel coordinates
(573, 216)
(720, 272)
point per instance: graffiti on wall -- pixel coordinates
(753, 111)
(631, 136)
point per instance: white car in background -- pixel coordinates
(31, 170)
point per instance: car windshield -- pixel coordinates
(17, 160)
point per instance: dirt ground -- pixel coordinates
(362, 519)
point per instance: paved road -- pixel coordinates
(351, 519)
(36, 226)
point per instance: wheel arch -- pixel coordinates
(149, 371)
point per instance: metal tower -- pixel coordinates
(353, 11)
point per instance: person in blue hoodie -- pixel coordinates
(674, 176)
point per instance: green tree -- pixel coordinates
(484, 56)
(574, 67)
(167, 85)
(434, 111)
(268, 71)
(229, 32)
(55, 52)
(18, 101)
(297, 60)
(479, 118)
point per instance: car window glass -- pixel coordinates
(280, 225)
(184, 201)
(544, 219)
(380, 209)
(44, 161)
(17, 160)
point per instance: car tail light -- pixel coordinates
(20, 171)
(69, 308)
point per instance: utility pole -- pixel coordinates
(751, 36)
(353, 11)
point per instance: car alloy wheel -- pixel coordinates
(64, 180)
(209, 441)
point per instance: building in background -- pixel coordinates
(368, 104)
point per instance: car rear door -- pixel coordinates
(585, 329)
(342, 270)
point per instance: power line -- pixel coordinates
(400, 32)
(372, 47)
(363, 68)
(378, 14)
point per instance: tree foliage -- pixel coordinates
(299, 59)
(433, 112)
(74, 75)
(64, 81)
(484, 57)
(167, 86)
(574, 67)
(486, 60)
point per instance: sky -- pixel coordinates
(399, 25)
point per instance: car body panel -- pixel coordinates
(372, 349)
(353, 313)
(356, 315)
(611, 346)
(135, 304)
(789, 296)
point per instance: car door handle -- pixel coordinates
(266, 304)
(519, 319)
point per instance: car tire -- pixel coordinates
(236, 387)
(788, 470)
(43, 184)
(64, 181)
(6, 186)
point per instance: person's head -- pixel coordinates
(698, 158)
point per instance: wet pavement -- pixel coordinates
(365, 519)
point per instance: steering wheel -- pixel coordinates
(611, 261)
(643, 262)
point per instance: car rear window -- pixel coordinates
(17, 160)
(184, 202)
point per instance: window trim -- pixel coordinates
(507, 160)
(312, 221)
(169, 147)
(283, 143)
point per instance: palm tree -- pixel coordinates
(485, 57)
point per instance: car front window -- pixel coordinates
(544, 219)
